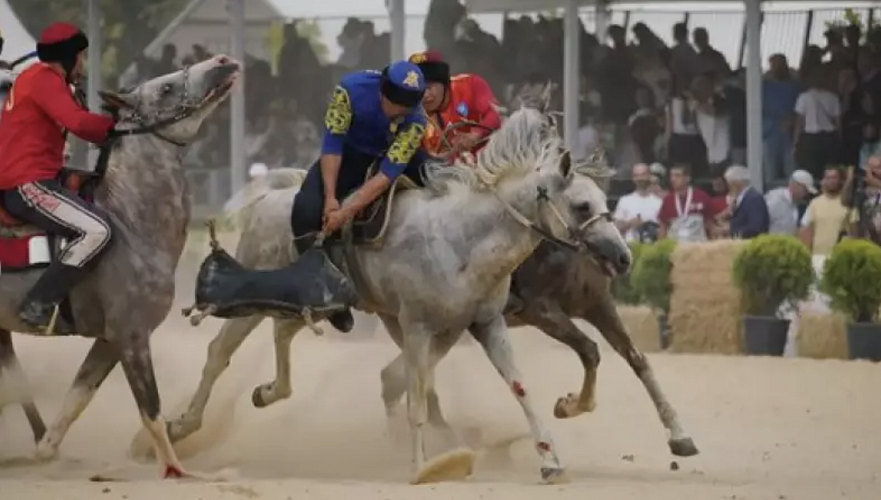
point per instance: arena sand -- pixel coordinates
(767, 428)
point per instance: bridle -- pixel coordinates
(572, 241)
(153, 123)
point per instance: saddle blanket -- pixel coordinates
(24, 252)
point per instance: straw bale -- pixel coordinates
(822, 335)
(642, 325)
(705, 312)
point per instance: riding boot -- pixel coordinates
(341, 320)
(51, 289)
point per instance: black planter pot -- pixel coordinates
(864, 341)
(764, 335)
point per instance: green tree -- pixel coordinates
(128, 25)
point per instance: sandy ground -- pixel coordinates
(767, 428)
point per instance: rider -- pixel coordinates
(373, 117)
(450, 100)
(38, 113)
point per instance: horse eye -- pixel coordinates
(167, 88)
(584, 208)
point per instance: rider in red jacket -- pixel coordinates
(453, 99)
(39, 111)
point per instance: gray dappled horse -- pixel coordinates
(443, 267)
(140, 182)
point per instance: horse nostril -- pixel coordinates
(223, 60)
(624, 260)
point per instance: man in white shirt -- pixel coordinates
(782, 202)
(638, 207)
(817, 124)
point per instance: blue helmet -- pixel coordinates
(403, 83)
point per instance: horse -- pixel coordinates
(139, 181)
(449, 249)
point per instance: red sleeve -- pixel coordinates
(58, 103)
(486, 104)
(668, 211)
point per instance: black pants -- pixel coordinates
(308, 209)
(51, 207)
(817, 151)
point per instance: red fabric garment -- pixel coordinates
(15, 253)
(470, 98)
(701, 203)
(38, 111)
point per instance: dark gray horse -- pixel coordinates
(130, 291)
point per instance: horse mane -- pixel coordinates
(524, 144)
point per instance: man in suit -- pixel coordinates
(749, 211)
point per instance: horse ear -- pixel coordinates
(115, 100)
(566, 164)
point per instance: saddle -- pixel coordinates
(370, 225)
(319, 282)
(24, 246)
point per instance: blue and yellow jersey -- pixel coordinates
(354, 118)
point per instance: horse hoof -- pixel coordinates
(554, 475)
(45, 452)
(257, 398)
(567, 407)
(454, 465)
(683, 447)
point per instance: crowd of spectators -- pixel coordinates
(678, 112)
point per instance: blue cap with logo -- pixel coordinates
(403, 83)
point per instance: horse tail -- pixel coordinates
(275, 180)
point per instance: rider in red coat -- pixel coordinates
(36, 117)
(453, 99)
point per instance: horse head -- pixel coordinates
(173, 106)
(580, 216)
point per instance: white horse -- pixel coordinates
(444, 267)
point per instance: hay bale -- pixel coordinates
(705, 312)
(642, 325)
(822, 335)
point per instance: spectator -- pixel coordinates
(682, 137)
(686, 212)
(709, 60)
(871, 144)
(645, 128)
(659, 175)
(749, 212)
(711, 117)
(824, 220)
(587, 139)
(639, 207)
(735, 107)
(782, 202)
(683, 59)
(167, 63)
(870, 200)
(817, 125)
(854, 116)
(780, 92)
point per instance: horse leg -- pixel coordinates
(548, 316)
(220, 352)
(606, 319)
(9, 362)
(493, 337)
(394, 381)
(137, 363)
(99, 362)
(280, 388)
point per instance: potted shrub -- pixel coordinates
(852, 280)
(622, 287)
(651, 280)
(770, 271)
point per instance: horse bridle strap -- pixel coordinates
(155, 127)
(544, 200)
